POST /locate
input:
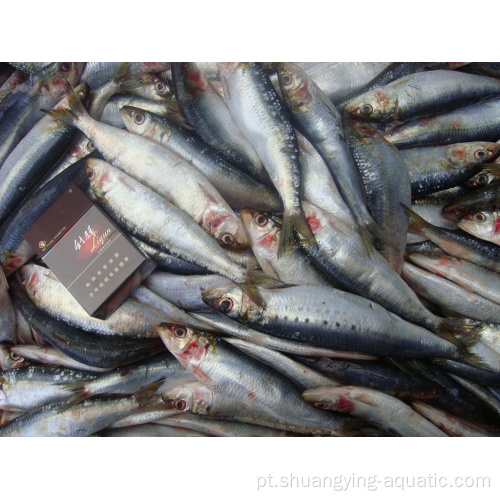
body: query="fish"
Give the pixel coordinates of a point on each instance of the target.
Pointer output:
(383, 410)
(327, 317)
(82, 419)
(427, 92)
(253, 382)
(485, 198)
(317, 119)
(131, 319)
(476, 122)
(164, 172)
(484, 225)
(208, 114)
(150, 217)
(457, 243)
(293, 266)
(386, 184)
(7, 313)
(238, 189)
(33, 156)
(259, 113)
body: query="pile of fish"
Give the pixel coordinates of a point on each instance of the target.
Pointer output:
(326, 238)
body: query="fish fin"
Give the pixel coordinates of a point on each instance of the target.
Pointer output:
(366, 238)
(255, 278)
(376, 232)
(462, 332)
(148, 396)
(121, 71)
(173, 112)
(295, 224)
(70, 114)
(4, 94)
(416, 224)
(404, 367)
(79, 392)
(122, 79)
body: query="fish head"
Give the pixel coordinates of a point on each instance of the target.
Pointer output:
(189, 346)
(161, 87)
(195, 82)
(487, 176)
(484, 225)
(263, 230)
(295, 86)
(232, 301)
(57, 76)
(10, 360)
(99, 175)
(226, 228)
(330, 398)
(193, 398)
(477, 152)
(136, 120)
(456, 211)
(29, 277)
(377, 104)
(321, 397)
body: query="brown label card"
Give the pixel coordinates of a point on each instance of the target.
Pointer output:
(56, 221)
(89, 255)
(93, 259)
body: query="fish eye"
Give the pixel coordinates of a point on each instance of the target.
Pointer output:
(367, 109)
(261, 220)
(90, 146)
(180, 332)
(286, 79)
(160, 87)
(180, 404)
(139, 118)
(481, 154)
(65, 67)
(227, 239)
(322, 406)
(15, 357)
(225, 305)
(479, 217)
(90, 174)
(482, 179)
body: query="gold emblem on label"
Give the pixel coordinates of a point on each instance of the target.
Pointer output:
(42, 244)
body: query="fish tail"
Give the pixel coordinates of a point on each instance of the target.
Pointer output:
(148, 396)
(464, 333)
(4, 94)
(416, 224)
(71, 113)
(367, 238)
(122, 79)
(78, 390)
(297, 224)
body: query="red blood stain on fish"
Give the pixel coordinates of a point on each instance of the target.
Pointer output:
(314, 223)
(460, 152)
(268, 240)
(251, 395)
(496, 226)
(13, 262)
(213, 219)
(344, 404)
